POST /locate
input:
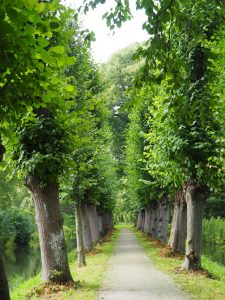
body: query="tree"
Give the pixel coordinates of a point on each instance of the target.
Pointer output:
(41, 155)
(118, 74)
(178, 59)
(38, 150)
(91, 138)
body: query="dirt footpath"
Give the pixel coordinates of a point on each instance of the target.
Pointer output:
(132, 276)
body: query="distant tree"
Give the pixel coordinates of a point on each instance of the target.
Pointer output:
(119, 73)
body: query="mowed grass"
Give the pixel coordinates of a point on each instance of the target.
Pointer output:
(89, 278)
(198, 284)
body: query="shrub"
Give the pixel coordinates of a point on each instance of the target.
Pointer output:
(16, 225)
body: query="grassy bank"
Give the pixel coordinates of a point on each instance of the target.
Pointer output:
(198, 284)
(89, 278)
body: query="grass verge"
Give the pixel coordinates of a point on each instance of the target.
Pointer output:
(89, 278)
(198, 284)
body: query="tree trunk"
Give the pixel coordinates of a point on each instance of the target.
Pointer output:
(79, 234)
(163, 219)
(178, 232)
(151, 219)
(49, 220)
(147, 220)
(93, 219)
(182, 219)
(139, 220)
(105, 225)
(88, 242)
(101, 225)
(4, 288)
(174, 233)
(195, 196)
(107, 222)
(154, 219)
(142, 219)
(110, 220)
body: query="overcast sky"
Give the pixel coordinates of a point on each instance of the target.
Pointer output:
(106, 43)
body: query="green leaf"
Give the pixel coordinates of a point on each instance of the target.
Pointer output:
(40, 7)
(30, 4)
(69, 88)
(70, 60)
(58, 49)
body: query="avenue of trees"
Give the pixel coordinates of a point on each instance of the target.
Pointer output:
(176, 136)
(140, 134)
(54, 129)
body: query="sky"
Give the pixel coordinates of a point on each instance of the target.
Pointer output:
(106, 42)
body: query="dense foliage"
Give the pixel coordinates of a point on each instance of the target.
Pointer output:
(134, 131)
(17, 227)
(13, 193)
(119, 73)
(26, 65)
(90, 180)
(182, 134)
(214, 230)
(185, 141)
(54, 124)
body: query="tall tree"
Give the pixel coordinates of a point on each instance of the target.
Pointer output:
(91, 139)
(37, 148)
(19, 62)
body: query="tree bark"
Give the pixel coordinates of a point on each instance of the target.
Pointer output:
(49, 220)
(4, 287)
(151, 218)
(139, 220)
(142, 219)
(93, 219)
(55, 266)
(86, 228)
(195, 196)
(147, 220)
(110, 220)
(163, 219)
(174, 233)
(79, 234)
(106, 222)
(101, 225)
(178, 232)
(154, 219)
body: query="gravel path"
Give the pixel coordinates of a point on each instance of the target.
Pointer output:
(132, 276)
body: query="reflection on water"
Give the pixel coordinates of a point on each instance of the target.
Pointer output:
(214, 252)
(25, 262)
